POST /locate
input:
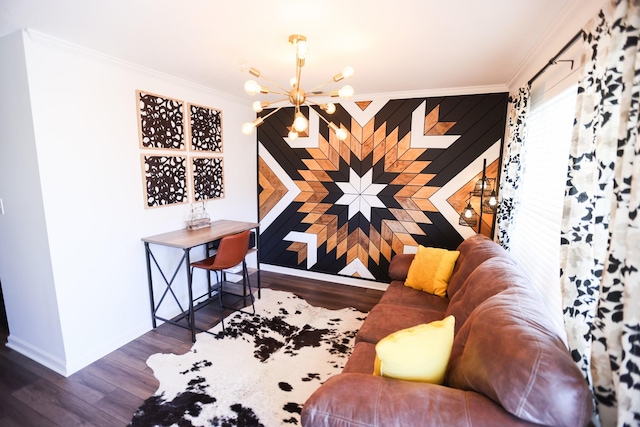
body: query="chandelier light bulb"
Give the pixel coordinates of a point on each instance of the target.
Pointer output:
(293, 82)
(293, 135)
(346, 92)
(251, 87)
(247, 128)
(301, 49)
(257, 106)
(330, 108)
(300, 123)
(341, 134)
(347, 71)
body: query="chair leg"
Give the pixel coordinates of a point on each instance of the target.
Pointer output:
(220, 303)
(245, 275)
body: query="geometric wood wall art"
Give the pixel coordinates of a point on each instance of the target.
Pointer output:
(205, 128)
(208, 178)
(160, 122)
(165, 180)
(347, 207)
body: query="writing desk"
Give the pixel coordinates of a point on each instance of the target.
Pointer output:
(186, 240)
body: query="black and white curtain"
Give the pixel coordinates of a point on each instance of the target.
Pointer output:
(600, 233)
(600, 237)
(512, 166)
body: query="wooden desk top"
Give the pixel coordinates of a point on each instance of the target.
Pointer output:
(185, 239)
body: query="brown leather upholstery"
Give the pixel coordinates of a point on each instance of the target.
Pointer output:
(231, 252)
(507, 368)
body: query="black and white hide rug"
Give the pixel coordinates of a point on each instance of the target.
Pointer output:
(259, 373)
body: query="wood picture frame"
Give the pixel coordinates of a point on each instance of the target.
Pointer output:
(205, 128)
(164, 179)
(207, 174)
(161, 122)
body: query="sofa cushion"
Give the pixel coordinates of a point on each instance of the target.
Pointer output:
(506, 351)
(473, 251)
(399, 294)
(431, 270)
(489, 278)
(420, 353)
(399, 266)
(384, 319)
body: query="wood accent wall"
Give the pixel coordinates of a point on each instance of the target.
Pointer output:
(347, 207)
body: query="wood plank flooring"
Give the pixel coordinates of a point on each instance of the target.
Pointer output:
(107, 392)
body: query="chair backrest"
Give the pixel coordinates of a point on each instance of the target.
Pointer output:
(231, 251)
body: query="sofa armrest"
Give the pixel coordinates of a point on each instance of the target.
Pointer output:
(353, 399)
(399, 266)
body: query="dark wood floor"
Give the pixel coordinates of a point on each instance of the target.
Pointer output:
(108, 392)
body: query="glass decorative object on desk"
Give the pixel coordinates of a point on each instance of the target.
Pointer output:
(199, 218)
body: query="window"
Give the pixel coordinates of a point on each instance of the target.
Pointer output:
(535, 242)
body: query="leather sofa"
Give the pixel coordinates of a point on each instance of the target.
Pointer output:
(508, 367)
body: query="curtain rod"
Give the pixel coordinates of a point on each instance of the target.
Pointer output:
(553, 60)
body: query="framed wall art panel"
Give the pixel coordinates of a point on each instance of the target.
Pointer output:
(208, 177)
(160, 122)
(165, 180)
(205, 128)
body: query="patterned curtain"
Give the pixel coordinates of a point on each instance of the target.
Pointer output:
(600, 242)
(512, 166)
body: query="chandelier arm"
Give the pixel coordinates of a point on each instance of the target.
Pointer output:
(321, 116)
(312, 95)
(274, 83)
(298, 73)
(280, 93)
(272, 112)
(321, 85)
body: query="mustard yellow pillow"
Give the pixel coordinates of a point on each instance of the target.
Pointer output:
(420, 353)
(431, 270)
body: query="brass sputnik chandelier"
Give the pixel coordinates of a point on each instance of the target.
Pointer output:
(296, 96)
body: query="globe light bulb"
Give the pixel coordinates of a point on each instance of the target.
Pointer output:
(330, 108)
(251, 87)
(341, 134)
(301, 49)
(467, 213)
(257, 106)
(293, 135)
(347, 71)
(293, 82)
(346, 92)
(300, 123)
(247, 128)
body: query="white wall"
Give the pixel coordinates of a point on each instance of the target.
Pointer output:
(572, 19)
(88, 160)
(25, 266)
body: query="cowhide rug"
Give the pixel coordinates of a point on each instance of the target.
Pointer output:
(257, 374)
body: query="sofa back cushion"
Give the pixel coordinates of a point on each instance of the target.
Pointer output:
(506, 351)
(473, 251)
(489, 278)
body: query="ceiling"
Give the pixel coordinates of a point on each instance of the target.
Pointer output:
(395, 46)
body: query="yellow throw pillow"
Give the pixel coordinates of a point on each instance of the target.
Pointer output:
(431, 270)
(420, 353)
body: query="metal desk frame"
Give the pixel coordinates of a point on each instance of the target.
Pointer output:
(186, 240)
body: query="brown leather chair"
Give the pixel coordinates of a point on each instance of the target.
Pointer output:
(231, 252)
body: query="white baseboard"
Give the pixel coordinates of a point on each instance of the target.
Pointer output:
(36, 354)
(343, 280)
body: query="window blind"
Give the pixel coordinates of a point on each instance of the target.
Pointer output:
(535, 242)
